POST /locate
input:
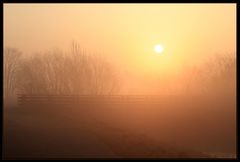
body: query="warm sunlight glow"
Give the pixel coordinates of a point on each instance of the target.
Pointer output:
(158, 48)
(124, 80)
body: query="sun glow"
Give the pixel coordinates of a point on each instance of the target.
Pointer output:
(158, 48)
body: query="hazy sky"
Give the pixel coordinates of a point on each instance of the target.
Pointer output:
(125, 33)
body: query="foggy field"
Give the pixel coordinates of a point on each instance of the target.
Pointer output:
(200, 129)
(193, 116)
(119, 81)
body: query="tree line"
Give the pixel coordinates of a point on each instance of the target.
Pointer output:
(55, 72)
(78, 72)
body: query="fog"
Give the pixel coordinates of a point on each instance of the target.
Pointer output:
(94, 87)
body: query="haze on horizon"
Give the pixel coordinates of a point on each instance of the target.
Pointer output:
(64, 64)
(126, 34)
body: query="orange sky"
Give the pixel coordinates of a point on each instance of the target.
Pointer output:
(126, 33)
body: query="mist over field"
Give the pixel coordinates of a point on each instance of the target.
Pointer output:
(119, 81)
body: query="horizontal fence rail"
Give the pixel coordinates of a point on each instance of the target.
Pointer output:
(70, 100)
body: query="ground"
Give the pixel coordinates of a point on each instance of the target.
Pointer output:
(33, 133)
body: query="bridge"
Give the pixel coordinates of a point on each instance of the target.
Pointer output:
(68, 100)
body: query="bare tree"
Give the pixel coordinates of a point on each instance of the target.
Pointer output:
(42, 74)
(103, 76)
(73, 73)
(217, 73)
(10, 69)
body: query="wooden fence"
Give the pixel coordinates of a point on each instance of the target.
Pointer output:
(69, 100)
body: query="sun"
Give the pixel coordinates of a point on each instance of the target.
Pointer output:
(158, 48)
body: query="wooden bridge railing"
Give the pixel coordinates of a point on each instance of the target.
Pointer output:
(30, 100)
